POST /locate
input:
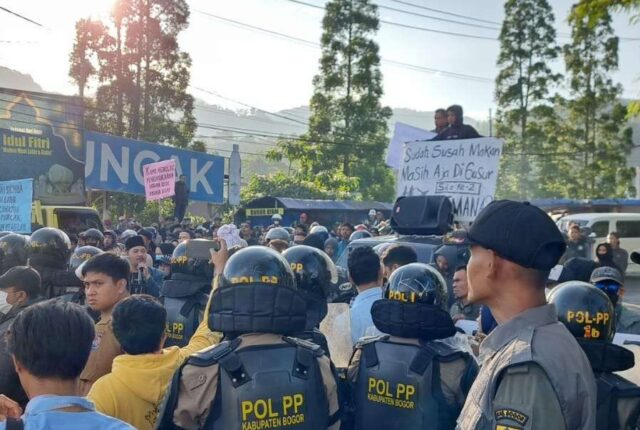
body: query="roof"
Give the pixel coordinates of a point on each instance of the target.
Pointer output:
(311, 204)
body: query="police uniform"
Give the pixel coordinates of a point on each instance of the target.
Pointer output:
(415, 377)
(589, 315)
(470, 311)
(259, 377)
(534, 375)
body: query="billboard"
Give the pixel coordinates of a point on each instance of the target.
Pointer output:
(41, 138)
(116, 164)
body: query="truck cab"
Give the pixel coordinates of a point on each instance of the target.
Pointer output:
(70, 219)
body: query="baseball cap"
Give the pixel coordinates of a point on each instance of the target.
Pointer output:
(607, 273)
(635, 256)
(518, 232)
(23, 277)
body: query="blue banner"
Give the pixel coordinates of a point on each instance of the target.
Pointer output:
(41, 138)
(15, 205)
(115, 163)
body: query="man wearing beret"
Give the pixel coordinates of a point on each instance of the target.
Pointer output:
(534, 374)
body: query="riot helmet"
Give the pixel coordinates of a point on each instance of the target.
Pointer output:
(93, 237)
(49, 246)
(127, 234)
(359, 234)
(182, 262)
(82, 254)
(257, 293)
(417, 283)
(585, 310)
(321, 231)
(315, 274)
(13, 251)
(4, 233)
(278, 233)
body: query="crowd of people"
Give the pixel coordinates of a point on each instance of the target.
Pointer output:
(173, 326)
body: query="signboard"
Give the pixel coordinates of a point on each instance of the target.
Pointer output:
(263, 211)
(41, 138)
(15, 205)
(159, 180)
(115, 164)
(464, 170)
(404, 133)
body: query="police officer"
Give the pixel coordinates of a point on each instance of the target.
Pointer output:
(13, 251)
(611, 282)
(185, 295)
(93, 237)
(48, 250)
(258, 377)
(413, 377)
(589, 315)
(534, 375)
(315, 273)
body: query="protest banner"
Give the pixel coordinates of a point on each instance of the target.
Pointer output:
(464, 170)
(15, 205)
(159, 180)
(404, 133)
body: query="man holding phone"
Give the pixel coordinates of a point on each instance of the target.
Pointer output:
(140, 279)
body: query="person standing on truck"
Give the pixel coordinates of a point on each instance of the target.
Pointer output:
(181, 198)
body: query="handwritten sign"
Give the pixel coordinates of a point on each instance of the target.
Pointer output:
(159, 179)
(464, 170)
(404, 133)
(15, 205)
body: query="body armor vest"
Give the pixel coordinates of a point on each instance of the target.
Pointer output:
(185, 301)
(262, 386)
(618, 403)
(58, 282)
(398, 386)
(317, 337)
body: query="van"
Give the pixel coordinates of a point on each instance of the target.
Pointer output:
(70, 219)
(601, 224)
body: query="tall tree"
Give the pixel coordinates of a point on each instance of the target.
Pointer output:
(602, 139)
(347, 136)
(527, 48)
(141, 72)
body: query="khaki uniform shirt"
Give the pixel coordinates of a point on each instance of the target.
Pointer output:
(198, 386)
(104, 350)
(534, 376)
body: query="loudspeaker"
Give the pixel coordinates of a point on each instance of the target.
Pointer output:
(422, 215)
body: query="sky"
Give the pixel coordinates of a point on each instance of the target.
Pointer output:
(274, 73)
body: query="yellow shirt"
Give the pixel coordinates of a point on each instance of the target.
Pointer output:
(137, 384)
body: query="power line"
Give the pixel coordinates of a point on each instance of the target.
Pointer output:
(21, 16)
(408, 26)
(452, 21)
(446, 13)
(414, 67)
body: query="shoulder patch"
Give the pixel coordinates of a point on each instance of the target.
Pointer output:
(501, 427)
(371, 339)
(511, 414)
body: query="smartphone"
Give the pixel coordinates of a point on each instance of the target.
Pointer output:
(200, 248)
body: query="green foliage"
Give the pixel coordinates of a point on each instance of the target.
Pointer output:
(347, 136)
(527, 47)
(284, 185)
(602, 141)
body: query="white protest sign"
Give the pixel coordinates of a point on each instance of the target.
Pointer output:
(465, 170)
(159, 179)
(404, 133)
(15, 205)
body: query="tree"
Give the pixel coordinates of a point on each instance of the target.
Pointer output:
(90, 38)
(347, 136)
(527, 48)
(601, 139)
(283, 185)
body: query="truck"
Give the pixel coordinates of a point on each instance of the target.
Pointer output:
(70, 219)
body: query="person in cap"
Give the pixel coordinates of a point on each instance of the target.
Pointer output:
(611, 281)
(415, 376)
(588, 314)
(258, 377)
(534, 375)
(21, 286)
(141, 280)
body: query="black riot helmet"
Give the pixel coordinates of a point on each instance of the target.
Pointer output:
(182, 262)
(82, 254)
(257, 293)
(93, 237)
(49, 246)
(315, 274)
(417, 283)
(585, 310)
(13, 251)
